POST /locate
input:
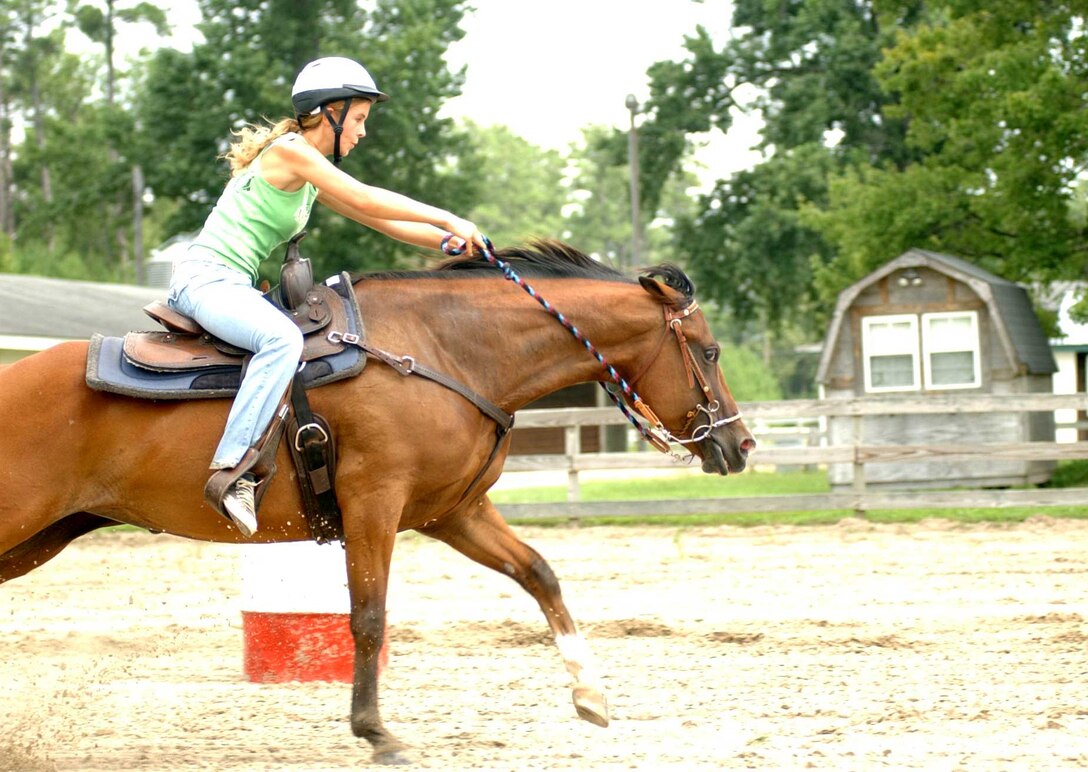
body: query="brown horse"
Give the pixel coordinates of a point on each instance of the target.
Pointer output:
(73, 460)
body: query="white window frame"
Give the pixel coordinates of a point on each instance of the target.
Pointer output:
(867, 323)
(930, 347)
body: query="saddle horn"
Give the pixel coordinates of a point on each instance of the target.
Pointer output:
(296, 275)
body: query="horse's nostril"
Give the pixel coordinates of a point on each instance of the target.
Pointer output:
(747, 445)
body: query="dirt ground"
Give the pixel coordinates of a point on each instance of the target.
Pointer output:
(857, 646)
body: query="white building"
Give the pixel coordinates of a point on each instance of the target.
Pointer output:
(1071, 354)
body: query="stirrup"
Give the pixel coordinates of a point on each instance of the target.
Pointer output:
(221, 481)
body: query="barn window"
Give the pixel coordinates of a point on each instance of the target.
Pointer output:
(890, 344)
(951, 350)
(906, 352)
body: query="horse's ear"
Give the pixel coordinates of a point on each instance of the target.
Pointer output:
(663, 293)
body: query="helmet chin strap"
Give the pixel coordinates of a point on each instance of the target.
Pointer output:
(337, 128)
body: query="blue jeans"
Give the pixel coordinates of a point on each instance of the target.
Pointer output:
(225, 303)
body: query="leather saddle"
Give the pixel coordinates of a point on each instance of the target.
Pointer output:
(185, 345)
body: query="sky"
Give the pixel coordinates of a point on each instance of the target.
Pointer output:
(549, 68)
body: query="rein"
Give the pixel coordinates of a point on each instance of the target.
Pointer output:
(657, 434)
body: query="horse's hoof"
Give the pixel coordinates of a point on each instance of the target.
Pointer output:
(590, 704)
(392, 758)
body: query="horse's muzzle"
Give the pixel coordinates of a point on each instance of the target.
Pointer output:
(726, 455)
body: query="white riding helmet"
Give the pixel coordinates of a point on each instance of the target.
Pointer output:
(329, 79)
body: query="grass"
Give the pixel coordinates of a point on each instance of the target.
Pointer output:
(682, 487)
(754, 484)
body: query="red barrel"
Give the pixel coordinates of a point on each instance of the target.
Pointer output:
(295, 614)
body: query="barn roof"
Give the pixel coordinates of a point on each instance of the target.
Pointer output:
(1011, 311)
(41, 307)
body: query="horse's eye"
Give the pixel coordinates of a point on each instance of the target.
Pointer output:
(711, 354)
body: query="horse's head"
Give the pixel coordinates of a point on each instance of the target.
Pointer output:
(682, 383)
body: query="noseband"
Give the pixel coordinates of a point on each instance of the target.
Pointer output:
(656, 433)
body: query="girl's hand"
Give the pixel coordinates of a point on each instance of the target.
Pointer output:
(467, 232)
(452, 245)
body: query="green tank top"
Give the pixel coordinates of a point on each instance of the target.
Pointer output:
(252, 218)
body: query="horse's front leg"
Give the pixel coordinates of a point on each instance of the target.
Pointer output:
(368, 557)
(478, 531)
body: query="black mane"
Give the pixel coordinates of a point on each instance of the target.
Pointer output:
(540, 259)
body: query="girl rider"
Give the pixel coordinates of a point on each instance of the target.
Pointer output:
(278, 171)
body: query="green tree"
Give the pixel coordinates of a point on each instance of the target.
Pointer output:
(243, 71)
(599, 214)
(810, 65)
(748, 246)
(599, 207)
(748, 377)
(9, 23)
(66, 188)
(523, 196)
(994, 94)
(59, 174)
(32, 52)
(72, 235)
(100, 22)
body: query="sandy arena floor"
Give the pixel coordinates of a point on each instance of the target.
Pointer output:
(851, 647)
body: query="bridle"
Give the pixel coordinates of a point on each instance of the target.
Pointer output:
(660, 436)
(654, 430)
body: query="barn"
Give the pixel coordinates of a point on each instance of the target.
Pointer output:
(927, 324)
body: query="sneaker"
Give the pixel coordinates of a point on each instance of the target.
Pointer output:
(238, 502)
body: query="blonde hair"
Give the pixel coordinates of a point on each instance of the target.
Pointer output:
(252, 138)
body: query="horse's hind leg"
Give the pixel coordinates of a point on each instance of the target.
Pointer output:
(479, 532)
(48, 543)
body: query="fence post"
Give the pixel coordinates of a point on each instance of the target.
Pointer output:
(572, 442)
(812, 440)
(858, 486)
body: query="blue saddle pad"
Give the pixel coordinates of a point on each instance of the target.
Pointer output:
(108, 369)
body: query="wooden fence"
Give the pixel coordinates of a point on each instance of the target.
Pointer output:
(800, 420)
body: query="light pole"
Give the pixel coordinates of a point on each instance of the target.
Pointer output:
(632, 159)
